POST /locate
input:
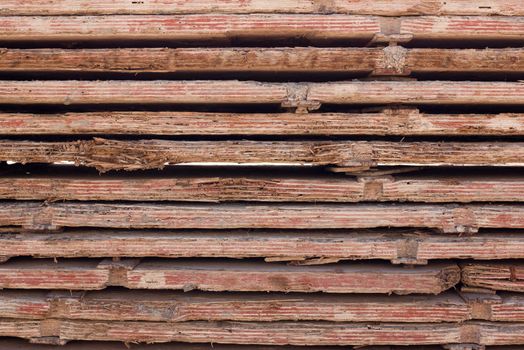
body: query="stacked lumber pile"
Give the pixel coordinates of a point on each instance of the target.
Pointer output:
(261, 174)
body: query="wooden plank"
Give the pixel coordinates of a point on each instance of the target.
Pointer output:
(73, 92)
(388, 61)
(223, 27)
(448, 218)
(508, 276)
(30, 274)
(397, 122)
(229, 276)
(183, 307)
(275, 333)
(220, 188)
(313, 247)
(107, 154)
(380, 7)
(511, 309)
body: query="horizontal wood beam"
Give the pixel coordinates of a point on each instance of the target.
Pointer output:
(301, 248)
(227, 276)
(277, 333)
(394, 122)
(106, 154)
(266, 189)
(152, 306)
(507, 276)
(448, 218)
(381, 7)
(223, 27)
(73, 92)
(392, 60)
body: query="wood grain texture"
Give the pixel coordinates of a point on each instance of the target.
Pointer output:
(274, 333)
(71, 92)
(107, 154)
(182, 307)
(448, 218)
(506, 276)
(388, 61)
(380, 7)
(228, 276)
(433, 189)
(394, 122)
(299, 247)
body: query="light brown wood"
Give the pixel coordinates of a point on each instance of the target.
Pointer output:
(388, 61)
(222, 188)
(448, 218)
(245, 92)
(213, 275)
(379, 7)
(398, 122)
(106, 154)
(311, 248)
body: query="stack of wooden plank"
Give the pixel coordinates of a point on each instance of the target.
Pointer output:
(261, 175)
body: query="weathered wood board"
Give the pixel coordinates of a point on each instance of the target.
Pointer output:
(215, 275)
(310, 95)
(110, 154)
(391, 60)
(450, 218)
(389, 122)
(379, 7)
(162, 306)
(220, 188)
(317, 247)
(507, 276)
(223, 27)
(273, 333)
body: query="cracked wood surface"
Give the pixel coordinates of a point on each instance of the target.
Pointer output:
(223, 188)
(392, 60)
(398, 122)
(300, 248)
(447, 218)
(106, 154)
(380, 7)
(72, 92)
(224, 275)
